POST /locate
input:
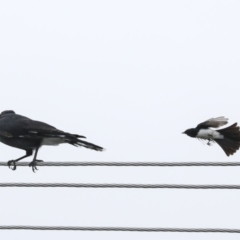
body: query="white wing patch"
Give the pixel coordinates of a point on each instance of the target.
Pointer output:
(32, 131)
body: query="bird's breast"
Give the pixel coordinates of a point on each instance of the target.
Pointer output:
(209, 134)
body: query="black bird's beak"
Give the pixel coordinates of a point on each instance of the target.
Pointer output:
(183, 133)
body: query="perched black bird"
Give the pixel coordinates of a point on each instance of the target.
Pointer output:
(227, 138)
(21, 132)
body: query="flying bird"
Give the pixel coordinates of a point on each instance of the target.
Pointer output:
(29, 135)
(227, 138)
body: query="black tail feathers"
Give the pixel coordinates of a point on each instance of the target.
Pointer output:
(85, 144)
(231, 141)
(231, 132)
(80, 143)
(229, 146)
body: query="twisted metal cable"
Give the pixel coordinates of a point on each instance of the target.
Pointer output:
(122, 229)
(142, 186)
(130, 164)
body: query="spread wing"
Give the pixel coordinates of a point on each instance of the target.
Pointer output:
(213, 122)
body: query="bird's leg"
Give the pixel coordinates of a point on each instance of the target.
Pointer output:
(209, 142)
(34, 162)
(13, 162)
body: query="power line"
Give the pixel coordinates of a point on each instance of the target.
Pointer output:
(122, 229)
(142, 186)
(130, 164)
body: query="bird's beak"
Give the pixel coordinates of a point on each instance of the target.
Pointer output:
(183, 133)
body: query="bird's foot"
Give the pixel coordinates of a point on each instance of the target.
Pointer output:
(12, 164)
(33, 164)
(209, 142)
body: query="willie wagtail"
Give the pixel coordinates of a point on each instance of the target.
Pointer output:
(227, 138)
(21, 132)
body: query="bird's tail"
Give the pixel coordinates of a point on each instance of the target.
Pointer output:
(80, 143)
(231, 141)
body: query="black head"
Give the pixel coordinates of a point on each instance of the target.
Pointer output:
(7, 112)
(191, 132)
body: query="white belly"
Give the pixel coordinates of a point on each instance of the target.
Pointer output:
(52, 141)
(209, 134)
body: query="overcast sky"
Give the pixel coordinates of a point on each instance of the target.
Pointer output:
(131, 76)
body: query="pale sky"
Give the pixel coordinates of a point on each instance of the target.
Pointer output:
(131, 76)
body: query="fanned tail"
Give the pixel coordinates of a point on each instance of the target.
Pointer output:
(232, 132)
(229, 146)
(231, 141)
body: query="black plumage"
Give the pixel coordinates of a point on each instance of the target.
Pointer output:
(22, 132)
(227, 138)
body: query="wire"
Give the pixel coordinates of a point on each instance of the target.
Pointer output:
(144, 186)
(122, 229)
(130, 164)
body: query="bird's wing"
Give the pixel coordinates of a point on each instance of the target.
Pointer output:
(5, 134)
(213, 122)
(38, 128)
(22, 127)
(44, 130)
(27, 128)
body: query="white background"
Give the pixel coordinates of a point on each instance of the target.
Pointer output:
(131, 76)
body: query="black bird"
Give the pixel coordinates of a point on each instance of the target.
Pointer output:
(227, 138)
(21, 132)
